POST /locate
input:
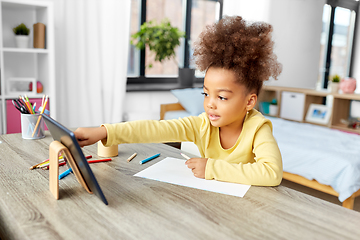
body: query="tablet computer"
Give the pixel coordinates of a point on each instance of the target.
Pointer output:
(67, 138)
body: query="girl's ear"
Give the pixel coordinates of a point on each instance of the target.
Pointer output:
(251, 101)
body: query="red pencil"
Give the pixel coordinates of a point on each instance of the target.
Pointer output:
(100, 160)
(91, 161)
(63, 163)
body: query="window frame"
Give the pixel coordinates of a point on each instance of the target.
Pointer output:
(353, 6)
(142, 78)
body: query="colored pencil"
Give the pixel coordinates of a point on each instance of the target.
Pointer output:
(131, 157)
(99, 160)
(64, 174)
(186, 157)
(46, 164)
(32, 167)
(31, 108)
(67, 172)
(42, 100)
(42, 111)
(26, 104)
(62, 163)
(47, 160)
(149, 158)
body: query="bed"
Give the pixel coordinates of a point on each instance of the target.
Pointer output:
(318, 157)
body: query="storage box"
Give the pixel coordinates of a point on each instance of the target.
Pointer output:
(292, 106)
(264, 107)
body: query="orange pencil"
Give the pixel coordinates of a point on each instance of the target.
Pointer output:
(31, 108)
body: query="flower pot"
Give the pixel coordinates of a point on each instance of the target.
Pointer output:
(22, 41)
(186, 77)
(273, 110)
(334, 87)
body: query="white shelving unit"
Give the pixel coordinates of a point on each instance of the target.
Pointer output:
(26, 62)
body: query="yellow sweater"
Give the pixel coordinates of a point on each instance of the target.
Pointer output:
(255, 158)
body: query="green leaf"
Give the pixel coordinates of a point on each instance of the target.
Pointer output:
(21, 29)
(161, 38)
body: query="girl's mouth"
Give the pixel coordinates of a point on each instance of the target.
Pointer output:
(213, 117)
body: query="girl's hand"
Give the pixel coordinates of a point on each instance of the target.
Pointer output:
(197, 166)
(88, 136)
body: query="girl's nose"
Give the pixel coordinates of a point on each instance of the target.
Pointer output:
(211, 104)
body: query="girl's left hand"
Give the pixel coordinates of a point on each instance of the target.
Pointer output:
(197, 166)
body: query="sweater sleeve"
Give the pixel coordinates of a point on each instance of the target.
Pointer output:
(153, 131)
(264, 170)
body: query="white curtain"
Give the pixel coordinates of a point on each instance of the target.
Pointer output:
(92, 39)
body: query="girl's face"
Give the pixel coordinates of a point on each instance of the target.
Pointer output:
(226, 102)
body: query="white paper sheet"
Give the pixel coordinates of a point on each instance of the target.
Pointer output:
(173, 170)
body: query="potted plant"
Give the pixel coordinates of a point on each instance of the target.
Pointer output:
(334, 84)
(21, 35)
(162, 39)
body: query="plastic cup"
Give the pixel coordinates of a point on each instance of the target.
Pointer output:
(28, 123)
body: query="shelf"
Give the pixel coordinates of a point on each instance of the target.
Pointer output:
(29, 95)
(37, 64)
(347, 96)
(345, 128)
(25, 50)
(340, 105)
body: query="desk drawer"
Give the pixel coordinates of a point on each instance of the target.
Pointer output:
(292, 106)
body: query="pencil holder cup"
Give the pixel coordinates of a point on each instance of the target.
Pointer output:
(103, 151)
(32, 126)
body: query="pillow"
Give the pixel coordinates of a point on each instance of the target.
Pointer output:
(191, 99)
(176, 114)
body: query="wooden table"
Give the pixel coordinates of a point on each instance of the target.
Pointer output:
(146, 209)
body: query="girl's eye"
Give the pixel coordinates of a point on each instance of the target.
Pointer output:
(205, 94)
(222, 98)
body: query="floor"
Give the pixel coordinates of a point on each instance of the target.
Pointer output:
(318, 194)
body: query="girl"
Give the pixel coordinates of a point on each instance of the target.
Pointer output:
(234, 140)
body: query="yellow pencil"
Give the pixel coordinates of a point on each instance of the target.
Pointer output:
(32, 167)
(43, 162)
(38, 121)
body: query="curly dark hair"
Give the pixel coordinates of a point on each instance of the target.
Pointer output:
(245, 48)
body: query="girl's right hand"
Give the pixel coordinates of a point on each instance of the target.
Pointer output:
(88, 136)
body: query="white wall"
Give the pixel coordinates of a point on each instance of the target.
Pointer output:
(254, 10)
(297, 29)
(146, 105)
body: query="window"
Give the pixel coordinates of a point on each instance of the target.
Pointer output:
(190, 16)
(133, 57)
(337, 39)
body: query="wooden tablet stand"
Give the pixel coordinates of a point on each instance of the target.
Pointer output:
(54, 150)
